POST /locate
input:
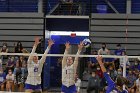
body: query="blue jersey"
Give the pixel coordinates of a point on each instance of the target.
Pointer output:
(118, 52)
(93, 60)
(111, 85)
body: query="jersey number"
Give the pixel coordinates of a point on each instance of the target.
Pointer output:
(35, 69)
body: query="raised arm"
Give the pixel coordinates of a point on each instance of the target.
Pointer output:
(110, 82)
(67, 45)
(50, 43)
(99, 59)
(33, 50)
(80, 46)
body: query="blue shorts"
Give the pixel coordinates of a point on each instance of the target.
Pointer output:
(33, 87)
(70, 89)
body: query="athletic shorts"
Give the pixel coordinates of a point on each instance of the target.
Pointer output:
(33, 87)
(70, 89)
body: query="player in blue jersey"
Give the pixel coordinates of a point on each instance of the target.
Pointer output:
(113, 87)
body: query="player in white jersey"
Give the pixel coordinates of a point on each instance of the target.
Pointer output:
(34, 66)
(69, 70)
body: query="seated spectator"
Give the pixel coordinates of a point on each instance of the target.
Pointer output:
(77, 83)
(132, 78)
(23, 66)
(99, 72)
(10, 64)
(119, 72)
(119, 51)
(4, 49)
(17, 73)
(103, 50)
(18, 76)
(19, 48)
(93, 83)
(20, 72)
(138, 85)
(92, 62)
(122, 60)
(112, 72)
(10, 81)
(134, 64)
(2, 79)
(86, 74)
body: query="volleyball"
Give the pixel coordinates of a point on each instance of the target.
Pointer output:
(86, 43)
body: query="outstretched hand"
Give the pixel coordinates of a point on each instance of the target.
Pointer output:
(50, 42)
(67, 45)
(99, 59)
(37, 40)
(80, 46)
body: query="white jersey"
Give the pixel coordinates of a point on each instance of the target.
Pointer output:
(34, 70)
(103, 52)
(68, 75)
(34, 73)
(10, 77)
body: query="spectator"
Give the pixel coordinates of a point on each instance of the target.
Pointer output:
(17, 73)
(119, 72)
(10, 64)
(102, 80)
(2, 79)
(19, 48)
(138, 85)
(23, 66)
(103, 50)
(86, 74)
(20, 72)
(93, 83)
(4, 49)
(118, 52)
(92, 62)
(77, 83)
(112, 72)
(134, 65)
(131, 86)
(99, 72)
(10, 81)
(122, 60)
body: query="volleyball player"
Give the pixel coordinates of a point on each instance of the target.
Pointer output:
(113, 87)
(69, 68)
(34, 66)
